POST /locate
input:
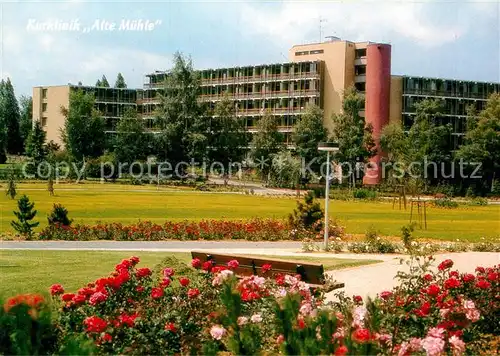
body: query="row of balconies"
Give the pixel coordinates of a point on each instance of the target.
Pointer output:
(443, 93)
(246, 96)
(262, 95)
(247, 79)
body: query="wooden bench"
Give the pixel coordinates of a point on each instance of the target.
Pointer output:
(310, 273)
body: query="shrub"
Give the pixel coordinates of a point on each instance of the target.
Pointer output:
(364, 193)
(407, 236)
(446, 203)
(478, 201)
(23, 225)
(308, 214)
(59, 216)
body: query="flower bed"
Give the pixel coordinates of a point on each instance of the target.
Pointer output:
(177, 309)
(254, 230)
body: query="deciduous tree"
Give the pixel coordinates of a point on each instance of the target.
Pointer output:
(26, 121)
(180, 117)
(308, 132)
(352, 133)
(131, 140)
(84, 128)
(266, 143)
(228, 139)
(482, 141)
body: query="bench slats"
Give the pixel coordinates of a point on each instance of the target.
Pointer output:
(312, 273)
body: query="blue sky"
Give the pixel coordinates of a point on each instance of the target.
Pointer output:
(451, 39)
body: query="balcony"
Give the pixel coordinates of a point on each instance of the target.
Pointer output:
(360, 61)
(259, 78)
(360, 78)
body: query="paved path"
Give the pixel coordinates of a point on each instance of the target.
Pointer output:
(364, 280)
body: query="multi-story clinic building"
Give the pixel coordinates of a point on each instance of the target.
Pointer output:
(316, 73)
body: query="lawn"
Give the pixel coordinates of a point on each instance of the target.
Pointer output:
(90, 203)
(24, 271)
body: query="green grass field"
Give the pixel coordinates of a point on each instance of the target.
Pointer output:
(90, 203)
(34, 271)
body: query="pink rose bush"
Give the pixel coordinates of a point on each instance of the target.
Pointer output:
(203, 309)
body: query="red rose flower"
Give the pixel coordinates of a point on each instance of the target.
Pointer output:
(446, 264)
(168, 272)
(165, 282)
(125, 264)
(156, 293)
(193, 293)
(468, 278)
(482, 284)
(207, 266)
(266, 268)
(184, 281)
(301, 324)
(94, 324)
(79, 299)
(361, 335)
(134, 260)
(433, 290)
(67, 297)
(128, 320)
(196, 263)
(357, 299)
(142, 272)
(480, 269)
(170, 327)
(233, 264)
(97, 298)
(341, 351)
(385, 295)
(492, 276)
(280, 279)
(427, 277)
(56, 289)
(424, 309)
(454, 274)
(106, 338)
(451, 283)
(139, 289)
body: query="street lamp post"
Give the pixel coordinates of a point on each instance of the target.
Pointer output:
(328, 147)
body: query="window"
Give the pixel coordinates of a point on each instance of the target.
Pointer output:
(44, 93)
(44, 107)
(361, 53)
(301, 53)
(360, 86)
(44, 121)
(360, 70)
(316, 51)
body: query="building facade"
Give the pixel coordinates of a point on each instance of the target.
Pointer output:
(110, 102)
(316, 73)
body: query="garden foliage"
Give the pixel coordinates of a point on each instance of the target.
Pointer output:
(178, 310)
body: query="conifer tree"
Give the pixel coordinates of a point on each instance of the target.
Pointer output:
(25, 215)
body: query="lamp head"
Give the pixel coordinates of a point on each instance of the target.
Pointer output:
(328, 146)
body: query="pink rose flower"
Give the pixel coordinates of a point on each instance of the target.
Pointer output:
(217, 332)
